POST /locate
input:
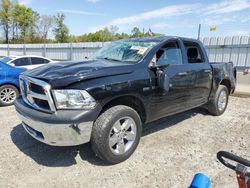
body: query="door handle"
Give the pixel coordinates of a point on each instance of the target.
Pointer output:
(207, 71)
(182, 74)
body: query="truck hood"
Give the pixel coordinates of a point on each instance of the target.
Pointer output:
(65, 73)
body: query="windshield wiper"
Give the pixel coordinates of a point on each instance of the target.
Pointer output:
(110, 59)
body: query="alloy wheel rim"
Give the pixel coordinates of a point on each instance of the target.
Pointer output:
(7, 95)
(222, 101)
(122, 135)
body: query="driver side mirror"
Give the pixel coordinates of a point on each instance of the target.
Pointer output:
(158, 67)
(161, 77)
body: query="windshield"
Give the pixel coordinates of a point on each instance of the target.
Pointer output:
(5, 59)
(124, 51)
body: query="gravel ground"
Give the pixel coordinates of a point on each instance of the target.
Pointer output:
(171, 151)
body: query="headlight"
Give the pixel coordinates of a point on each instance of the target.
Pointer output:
(73, 99)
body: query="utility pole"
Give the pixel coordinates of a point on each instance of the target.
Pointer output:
(199, 32)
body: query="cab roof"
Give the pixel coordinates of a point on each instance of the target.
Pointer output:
(156, 39)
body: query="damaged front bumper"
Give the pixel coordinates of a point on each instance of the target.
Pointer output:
(63, 128)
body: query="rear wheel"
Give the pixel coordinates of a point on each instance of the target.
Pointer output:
(8, 95)
(217, 106)
(116, 134)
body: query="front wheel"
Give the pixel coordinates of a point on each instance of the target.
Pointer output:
(217, 106)
(116, 134)
(8, 95)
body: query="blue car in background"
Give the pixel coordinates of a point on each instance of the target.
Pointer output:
(10, 69)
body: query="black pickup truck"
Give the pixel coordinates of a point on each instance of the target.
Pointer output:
(106, 100)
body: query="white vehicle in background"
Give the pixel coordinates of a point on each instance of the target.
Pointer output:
(10, 69)
(27, 61)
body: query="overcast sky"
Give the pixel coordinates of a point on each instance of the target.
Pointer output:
(179, 17)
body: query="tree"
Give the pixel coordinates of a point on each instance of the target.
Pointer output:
(113, 29)
(61, 30)
(5, 17)
(44, 26)
(122, 36)
(136, 32)
(15, 18)
(26, 22)
(32, 28)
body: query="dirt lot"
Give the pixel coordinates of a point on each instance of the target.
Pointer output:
(171, 151)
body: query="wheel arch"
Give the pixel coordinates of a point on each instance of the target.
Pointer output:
(12, 84)
(130, 101)
(227, 83)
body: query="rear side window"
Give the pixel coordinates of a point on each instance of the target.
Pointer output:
(22, 62)
(38, 61)
(169, 54)
(194, 53)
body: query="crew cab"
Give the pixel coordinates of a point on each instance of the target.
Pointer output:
(10, 69)
(107, 99)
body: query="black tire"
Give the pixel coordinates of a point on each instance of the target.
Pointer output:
(101, 133)
(213, 106)
(3, 101)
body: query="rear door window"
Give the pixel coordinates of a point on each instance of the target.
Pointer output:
(194, 53)
(39, 61)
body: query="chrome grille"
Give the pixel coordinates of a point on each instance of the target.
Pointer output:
(36, 93)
